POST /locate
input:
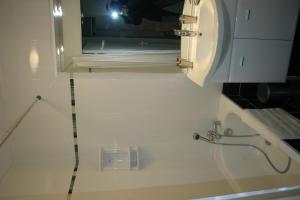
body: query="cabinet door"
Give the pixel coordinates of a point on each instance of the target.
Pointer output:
(267, 19)
(259, 61)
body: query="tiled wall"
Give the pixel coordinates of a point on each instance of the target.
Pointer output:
(112, 108)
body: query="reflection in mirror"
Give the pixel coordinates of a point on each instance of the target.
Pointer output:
(127, 33)
(111, 26)
(116, 34)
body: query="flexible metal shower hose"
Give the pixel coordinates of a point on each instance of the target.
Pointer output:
(286, 169)
(239, 136)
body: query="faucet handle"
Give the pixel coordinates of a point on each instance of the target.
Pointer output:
(187, 19)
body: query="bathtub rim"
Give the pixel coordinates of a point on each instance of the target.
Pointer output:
(278, 193)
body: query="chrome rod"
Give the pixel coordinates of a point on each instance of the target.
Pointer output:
(9, 131)
(186, 19)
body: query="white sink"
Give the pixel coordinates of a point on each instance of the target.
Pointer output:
(204, 50)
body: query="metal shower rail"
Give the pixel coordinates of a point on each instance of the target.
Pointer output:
(9, 131)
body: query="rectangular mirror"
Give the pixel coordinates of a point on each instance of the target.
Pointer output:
(118, 26)
(116, 34)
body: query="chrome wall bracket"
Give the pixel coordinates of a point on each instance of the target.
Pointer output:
(184, 64)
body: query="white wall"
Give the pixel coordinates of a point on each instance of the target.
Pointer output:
(148, 110)
(1, 102)
(71, 30)
(5, 151)
(45, 137)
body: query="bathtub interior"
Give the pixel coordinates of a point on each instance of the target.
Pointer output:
(253, 162)
(169, 168)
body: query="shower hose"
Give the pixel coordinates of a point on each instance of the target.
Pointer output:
(286, 169)
(239, 136)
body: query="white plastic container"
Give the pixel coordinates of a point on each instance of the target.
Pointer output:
(119, 158)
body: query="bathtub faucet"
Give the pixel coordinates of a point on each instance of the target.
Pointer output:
(214, 134)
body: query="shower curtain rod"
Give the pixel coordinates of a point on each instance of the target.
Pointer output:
(9, 131)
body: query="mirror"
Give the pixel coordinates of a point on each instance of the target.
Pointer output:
(116, 34)
(111, 26)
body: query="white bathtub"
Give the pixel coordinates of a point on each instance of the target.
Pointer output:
(173, 166)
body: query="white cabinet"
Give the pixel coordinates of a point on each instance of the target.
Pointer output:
(259, 60)
(261, 19)
(260, 43)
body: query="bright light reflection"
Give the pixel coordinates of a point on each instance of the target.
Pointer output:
(34, 60)
(62, 48)
(57, 11)
(114, 15)
(60, 11)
